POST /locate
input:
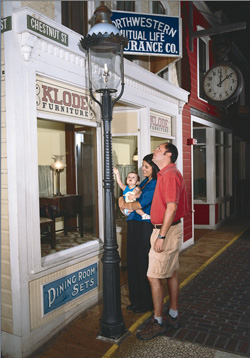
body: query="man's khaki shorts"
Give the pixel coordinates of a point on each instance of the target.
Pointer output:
(163, 264)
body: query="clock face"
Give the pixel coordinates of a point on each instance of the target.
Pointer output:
(220, 83)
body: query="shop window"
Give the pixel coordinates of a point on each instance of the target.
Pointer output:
(73, 205)
(217, 170)
(157, 7)
(215, 144)
(125, 158)
(203, 63)
(227, 157)
(156, 141)
(200, 180)
(75, 16)
(223, 150)
(199, 165)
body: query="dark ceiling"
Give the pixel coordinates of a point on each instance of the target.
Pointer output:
(237, 11)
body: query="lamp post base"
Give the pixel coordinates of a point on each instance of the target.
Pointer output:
(112, 332)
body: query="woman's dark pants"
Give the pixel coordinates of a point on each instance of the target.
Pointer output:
(138, 246)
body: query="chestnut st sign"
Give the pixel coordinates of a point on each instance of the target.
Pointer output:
(6, 24)
(46, 30)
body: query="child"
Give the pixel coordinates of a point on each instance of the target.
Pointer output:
(131, 189)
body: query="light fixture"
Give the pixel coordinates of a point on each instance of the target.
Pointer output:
(104, 46)
(58, 166)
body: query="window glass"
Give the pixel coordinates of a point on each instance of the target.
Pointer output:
(156, 141)
(200, 179)
(226, 153)
(68, 196)
(217, 170)
(126, 5)
(75, 16)
(125, 159)
(157, 7)
(200, 135)
(202, 65)
(218, 138)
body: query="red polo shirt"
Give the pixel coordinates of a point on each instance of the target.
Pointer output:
(170, 188)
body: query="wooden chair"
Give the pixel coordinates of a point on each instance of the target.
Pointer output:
(47, 222)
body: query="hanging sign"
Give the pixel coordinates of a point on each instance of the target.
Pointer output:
(160, 123)
(55, 97)
(6, 24)
(68, 288)
(154, 35)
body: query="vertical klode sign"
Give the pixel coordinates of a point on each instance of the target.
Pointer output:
(153, 35)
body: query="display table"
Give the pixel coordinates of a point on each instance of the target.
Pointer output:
(66, 206)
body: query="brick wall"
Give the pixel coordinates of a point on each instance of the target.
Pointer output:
(44, 7)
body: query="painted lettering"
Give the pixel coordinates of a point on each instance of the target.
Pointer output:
(75, 100)
(66, 98)
(56, 100)
(65, 289)
(3, 24)
(51, 296)
(170, 48)
(46, 93)
(140, 21)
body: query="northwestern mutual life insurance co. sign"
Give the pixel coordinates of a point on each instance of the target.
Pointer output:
(158, 35)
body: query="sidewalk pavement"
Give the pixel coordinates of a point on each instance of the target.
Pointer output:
(214, 306)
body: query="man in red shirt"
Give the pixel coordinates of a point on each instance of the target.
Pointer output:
(168, 207)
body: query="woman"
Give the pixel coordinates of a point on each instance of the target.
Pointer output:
(138, 240)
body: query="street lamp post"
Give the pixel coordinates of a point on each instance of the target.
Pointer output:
(105, 46)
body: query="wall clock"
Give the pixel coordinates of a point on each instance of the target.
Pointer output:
(222, 84)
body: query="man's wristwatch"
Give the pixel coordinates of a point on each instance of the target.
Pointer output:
(161, 237)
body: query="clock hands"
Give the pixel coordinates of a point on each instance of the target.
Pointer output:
(219, 84)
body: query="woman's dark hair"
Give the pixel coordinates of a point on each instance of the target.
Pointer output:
(148, 158)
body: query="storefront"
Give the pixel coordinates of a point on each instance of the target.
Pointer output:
(212, 173)
(47, 111)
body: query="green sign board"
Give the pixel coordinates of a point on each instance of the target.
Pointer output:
(46, 30)
(6, 24)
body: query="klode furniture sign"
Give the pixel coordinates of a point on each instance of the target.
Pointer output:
(154, 35)
(55, 97)
(160, 124)
(68, 288)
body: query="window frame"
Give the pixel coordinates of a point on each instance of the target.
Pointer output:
(67, 13)
(211, 163)
(206, 40)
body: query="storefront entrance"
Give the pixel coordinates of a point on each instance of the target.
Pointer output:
(212, 174)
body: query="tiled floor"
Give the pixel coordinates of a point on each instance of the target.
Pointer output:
(215, 305)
